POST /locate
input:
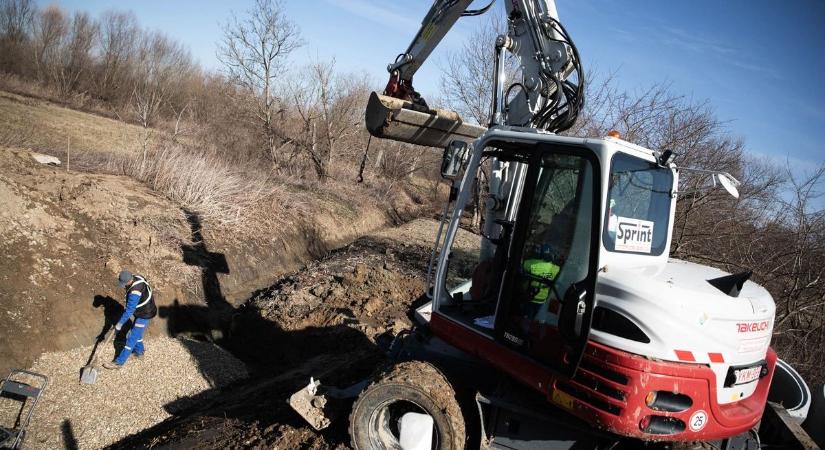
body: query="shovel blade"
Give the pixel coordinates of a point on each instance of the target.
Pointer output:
(88, 375)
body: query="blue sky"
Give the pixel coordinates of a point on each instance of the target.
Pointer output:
(760, 63)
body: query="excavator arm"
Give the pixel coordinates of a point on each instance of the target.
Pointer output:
(443, 14)
(548, 94)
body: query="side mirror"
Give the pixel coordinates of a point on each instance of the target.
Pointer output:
(453, 160)
(728, 183)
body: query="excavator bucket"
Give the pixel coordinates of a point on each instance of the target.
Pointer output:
(401, 120)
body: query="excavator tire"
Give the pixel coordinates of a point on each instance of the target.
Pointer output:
(693, 446)
(411, 386)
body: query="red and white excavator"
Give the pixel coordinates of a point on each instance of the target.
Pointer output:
(568, 326)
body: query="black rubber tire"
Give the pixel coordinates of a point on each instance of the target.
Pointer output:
(415, 382)
(698, 445)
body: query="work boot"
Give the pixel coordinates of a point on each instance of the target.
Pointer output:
(111, 365)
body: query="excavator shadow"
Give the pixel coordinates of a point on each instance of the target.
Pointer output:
(281, 363)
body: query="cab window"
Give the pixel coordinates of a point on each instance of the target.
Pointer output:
(638, 206)
(557, 245)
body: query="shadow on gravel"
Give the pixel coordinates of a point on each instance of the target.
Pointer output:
(68, 435)
(112, 310)
(208, 323)
(251, 412)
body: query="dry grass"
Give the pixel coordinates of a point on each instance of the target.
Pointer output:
(44, 126)
(250, 200)
(219, 193)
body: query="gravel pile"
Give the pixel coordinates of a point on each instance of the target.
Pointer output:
(144, 392)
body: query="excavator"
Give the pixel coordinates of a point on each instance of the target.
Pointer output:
(568, 326)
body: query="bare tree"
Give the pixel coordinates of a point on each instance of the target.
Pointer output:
(329, 108)
(118, 45)
(75, 54)
(15, 20)
(254, 52)
(161, 64)
(50, 28)
(183, 116)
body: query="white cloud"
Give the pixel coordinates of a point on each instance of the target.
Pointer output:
(695, 42)
(376, 14)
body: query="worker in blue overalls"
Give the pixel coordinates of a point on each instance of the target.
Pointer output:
(139, 302)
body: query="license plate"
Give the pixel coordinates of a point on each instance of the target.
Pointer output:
(747, 374)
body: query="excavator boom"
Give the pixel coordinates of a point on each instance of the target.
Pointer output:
(548, 95)
(443, 14)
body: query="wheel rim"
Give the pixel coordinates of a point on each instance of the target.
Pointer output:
(384, 424)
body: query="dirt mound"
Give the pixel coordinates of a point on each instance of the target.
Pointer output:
(143, 393)
(330, 320)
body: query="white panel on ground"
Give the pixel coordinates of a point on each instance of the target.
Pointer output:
(416, 431)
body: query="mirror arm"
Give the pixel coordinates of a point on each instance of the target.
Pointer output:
(711, 172)
(715, 174)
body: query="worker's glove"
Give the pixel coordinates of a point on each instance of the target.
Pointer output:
(118, 326)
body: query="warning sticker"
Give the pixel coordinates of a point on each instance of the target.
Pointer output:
(563, 400)
(633, 235)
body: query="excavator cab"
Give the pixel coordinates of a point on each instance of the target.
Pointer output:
(533, 293)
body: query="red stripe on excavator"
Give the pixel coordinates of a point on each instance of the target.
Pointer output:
(631, 376)
(716, 357)
(685, 355)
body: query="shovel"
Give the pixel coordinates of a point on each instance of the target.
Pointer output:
(88, 374)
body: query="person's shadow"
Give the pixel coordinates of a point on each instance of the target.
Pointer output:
(219, 311)
(112, 310)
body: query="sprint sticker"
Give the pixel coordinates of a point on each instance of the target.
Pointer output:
(633, 235)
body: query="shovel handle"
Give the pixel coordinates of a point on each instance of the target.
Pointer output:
(101, 340)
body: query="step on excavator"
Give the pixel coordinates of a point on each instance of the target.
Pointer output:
(568, 326)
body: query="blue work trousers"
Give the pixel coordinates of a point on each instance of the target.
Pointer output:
(134, 342)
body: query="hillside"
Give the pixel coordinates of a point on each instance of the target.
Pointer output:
(44, 126)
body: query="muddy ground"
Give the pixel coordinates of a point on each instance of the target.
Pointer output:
(329, 320)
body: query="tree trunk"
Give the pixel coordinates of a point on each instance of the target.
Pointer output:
(364, 158)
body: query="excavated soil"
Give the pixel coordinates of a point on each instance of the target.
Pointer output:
(330, 320)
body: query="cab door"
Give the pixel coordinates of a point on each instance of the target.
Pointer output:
(547, 297)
